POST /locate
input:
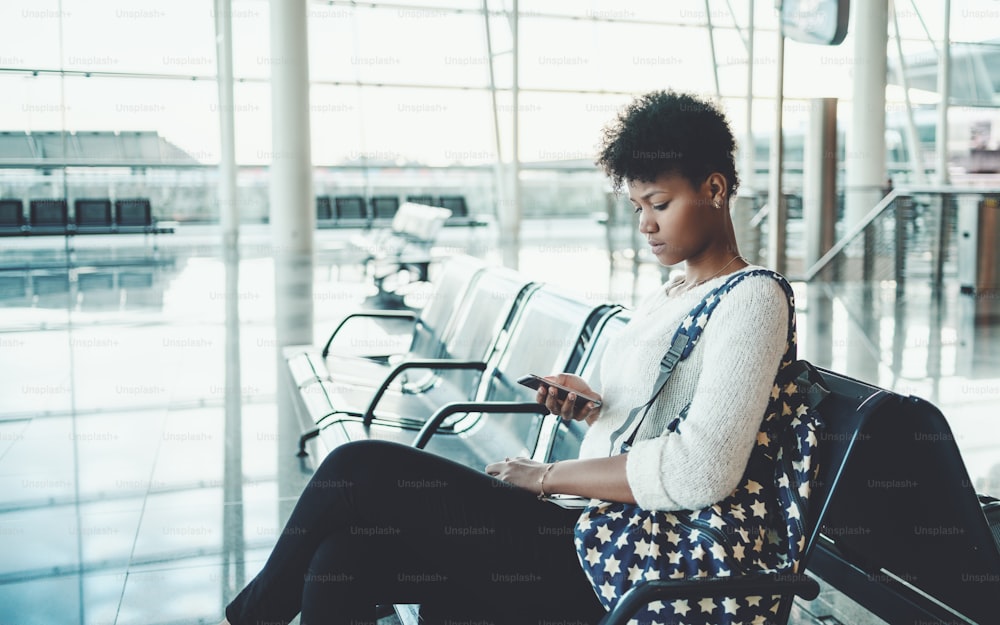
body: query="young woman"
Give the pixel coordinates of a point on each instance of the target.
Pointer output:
(382, 523)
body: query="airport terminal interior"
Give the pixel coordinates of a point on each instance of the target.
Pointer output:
(160, 251)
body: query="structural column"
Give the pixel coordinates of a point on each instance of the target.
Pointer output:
(865, 146)
(819, 183)
(742, 206)
(233, 547)
(865, 164)
(944, 91)
(510, 234)
(293, 219)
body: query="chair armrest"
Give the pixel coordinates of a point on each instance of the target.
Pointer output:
(376, 314)
(432, 425)
(762, 584)
(429, 363)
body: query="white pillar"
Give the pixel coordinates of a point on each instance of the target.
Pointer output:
(293, 219)
(944, 90)
(233, 571)
(510, 235)
(819, 182)
(865, 145)
(777, 213)
(229, 216)
(742, 206)
(292, 210)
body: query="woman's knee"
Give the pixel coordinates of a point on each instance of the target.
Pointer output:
(351, 463)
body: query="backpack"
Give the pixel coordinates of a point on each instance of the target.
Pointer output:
(757, 528)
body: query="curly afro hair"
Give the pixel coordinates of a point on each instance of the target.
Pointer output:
(667, 132)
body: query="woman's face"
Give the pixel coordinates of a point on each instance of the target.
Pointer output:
(678, 221)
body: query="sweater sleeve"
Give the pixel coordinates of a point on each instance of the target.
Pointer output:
(743, 343)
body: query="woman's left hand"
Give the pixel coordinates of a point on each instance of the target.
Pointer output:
(522, 472)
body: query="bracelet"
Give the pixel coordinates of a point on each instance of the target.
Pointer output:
(541, 481)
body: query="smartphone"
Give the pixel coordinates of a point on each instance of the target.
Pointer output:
(533, 381)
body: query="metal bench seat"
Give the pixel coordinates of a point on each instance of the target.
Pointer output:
(413, 388)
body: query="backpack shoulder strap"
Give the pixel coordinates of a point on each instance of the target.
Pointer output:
(686, 336)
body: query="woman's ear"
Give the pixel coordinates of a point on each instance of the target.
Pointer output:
(718, 189)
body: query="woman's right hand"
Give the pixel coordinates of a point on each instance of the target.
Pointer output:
(567, 408)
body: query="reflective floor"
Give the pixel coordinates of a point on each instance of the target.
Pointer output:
(144, 471)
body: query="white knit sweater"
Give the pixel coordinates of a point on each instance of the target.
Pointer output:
(727, 379)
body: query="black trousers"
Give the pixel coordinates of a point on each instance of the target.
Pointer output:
(382, 523)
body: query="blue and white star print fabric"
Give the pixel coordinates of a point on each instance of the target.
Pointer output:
(757, 528)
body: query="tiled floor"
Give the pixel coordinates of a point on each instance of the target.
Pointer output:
(120, 501)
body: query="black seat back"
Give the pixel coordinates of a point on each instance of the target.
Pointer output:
(92, 212)
(426, 200)
(324, 209)
(11, 213)
(133, 212)
(48, 214)
(438, 318)
(384, 206)
(549, 333)
(350, 208)
(454, 203)
(567, 436)
(906, 509)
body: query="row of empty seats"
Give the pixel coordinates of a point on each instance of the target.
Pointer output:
(894, 521)
(90, 216)
(356, 211)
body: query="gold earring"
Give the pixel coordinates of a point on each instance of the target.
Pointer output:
(717, 205)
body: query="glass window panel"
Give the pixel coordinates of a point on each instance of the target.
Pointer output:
(251, 39)
(29, 33)
(335, 115)
(160, 38)
(435, 127)
(617, 56)
(400, 46)
(676, 11)
(565, 127)
(184, 114)
(30, 102)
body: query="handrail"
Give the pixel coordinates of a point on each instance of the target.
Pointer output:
(880, 208)
(759, 217)
(848, 238)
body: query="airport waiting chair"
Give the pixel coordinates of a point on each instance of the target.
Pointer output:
(404, 392)
(906, 535)
(560, 439)
(549, 332)
(48, 217)
(847, 410)
(324, 210)
(92, 215)
(431, 329)
(133, 214)
(512, 420)
(351, 212)
(426, 200)
(456, 204)
(384, 207)
(12, 216)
